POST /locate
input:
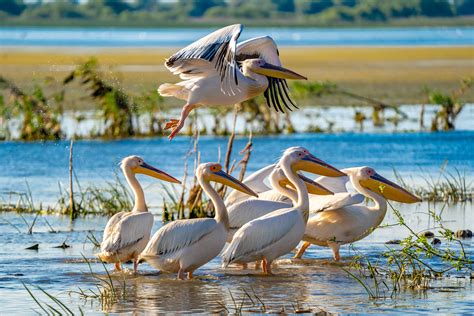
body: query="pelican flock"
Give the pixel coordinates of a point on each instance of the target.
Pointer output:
(260, 222)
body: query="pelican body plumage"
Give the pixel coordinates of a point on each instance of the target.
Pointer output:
(343, 220)
(127, 233)
(183, 246)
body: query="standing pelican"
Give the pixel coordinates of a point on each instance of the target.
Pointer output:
(127, 233)
(342, 222)
(245, 211)
(275, 234)
(185, 245)
(217, 71)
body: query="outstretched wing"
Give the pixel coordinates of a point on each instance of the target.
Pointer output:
(264, 47)
(178, 235)
(258, 234)
(128, 231)
(320, 203)
(217, 48)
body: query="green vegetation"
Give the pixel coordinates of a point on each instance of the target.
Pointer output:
(406, 267)
(149, 13)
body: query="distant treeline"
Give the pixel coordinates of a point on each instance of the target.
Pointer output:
(254, 12)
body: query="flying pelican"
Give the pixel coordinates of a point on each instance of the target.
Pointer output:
(245, 211)
(217, 71)
(275, 234)
(342, 222)
(127, 233)
(185, 245)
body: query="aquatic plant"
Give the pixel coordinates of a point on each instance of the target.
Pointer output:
(446, 186)
(407, 266)
(450, 105)
(40, 114)
(116, 109)
(55, 307)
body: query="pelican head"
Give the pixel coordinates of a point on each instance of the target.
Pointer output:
(213, 172)
(137, 165)
(370, 179)
(313, 187)
(300, 158)
(260, 66)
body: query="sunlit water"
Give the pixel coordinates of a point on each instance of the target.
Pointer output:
(316, 282)
(165, 37)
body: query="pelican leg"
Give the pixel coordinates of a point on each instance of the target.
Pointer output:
(181, 274)
(258, 264)
(244, 266)
(135, 265)
(190, 275)
(171, 123)
(268, 267)
(118, 266)
(302, 250)
(335, 250)
(180, 123)
(264, 266)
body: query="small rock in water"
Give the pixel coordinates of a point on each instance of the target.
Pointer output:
(463, 233)
(34, 247)
(427, 234)
(436, 241)
(63, 246)
(394, 242)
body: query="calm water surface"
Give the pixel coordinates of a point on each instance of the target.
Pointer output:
(166, 37)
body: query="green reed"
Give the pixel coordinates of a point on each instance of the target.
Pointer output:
(407, 266)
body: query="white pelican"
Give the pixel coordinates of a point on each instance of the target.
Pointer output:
(341, 222)
(185, 245)
(217, 71)
(127, 233)
(243, 212)
(275, 234)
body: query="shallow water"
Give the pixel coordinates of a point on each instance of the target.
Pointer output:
(315, 282)
(167, 37)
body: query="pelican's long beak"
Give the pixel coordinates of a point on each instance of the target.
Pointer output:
(151, 171)
(226, 179)
(313, 187)
(278, 72)
(315, 165)
(388, 189)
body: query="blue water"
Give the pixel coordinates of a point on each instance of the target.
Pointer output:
(128, 37)
(412, 154)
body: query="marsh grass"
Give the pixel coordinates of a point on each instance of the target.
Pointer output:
(447, 186)
(408, 266)
(249, 302)
(54, 307)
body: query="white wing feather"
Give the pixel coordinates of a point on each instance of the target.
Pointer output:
(245, 211)
(320, 203)
(127, 231)
(259, 47)
(178, 235)
(216, 49)
(255, 182)
(335, 184)
(260, 233)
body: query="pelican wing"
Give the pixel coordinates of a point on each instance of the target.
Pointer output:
(254, 182)
(264, 47)
(335, 184)
(178, 235)
(248, 210)
(260, 233)
(129, 230)
(320, 203)
(112, 223)
(216, 49)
